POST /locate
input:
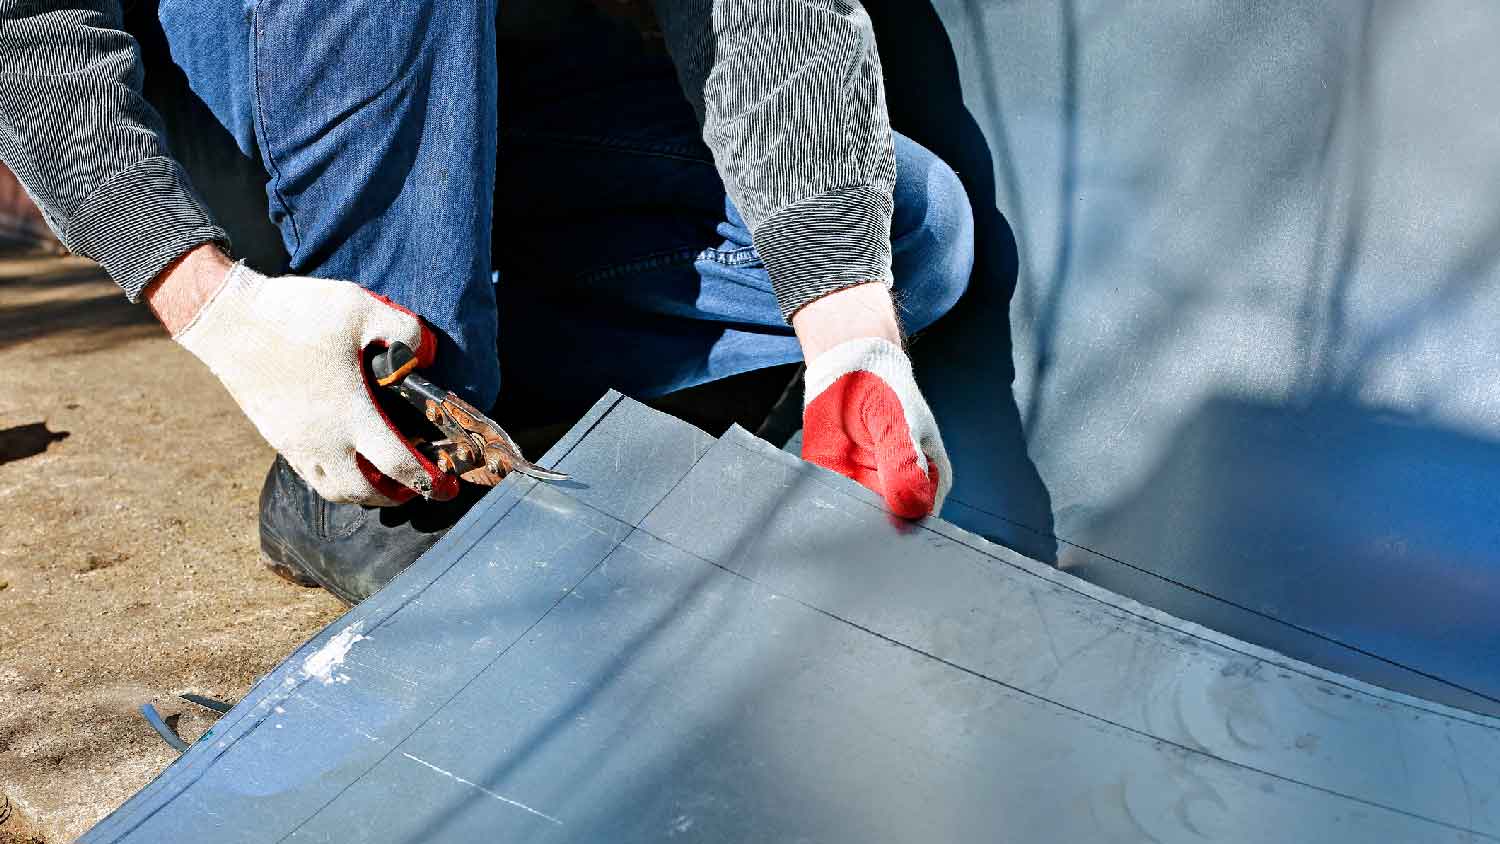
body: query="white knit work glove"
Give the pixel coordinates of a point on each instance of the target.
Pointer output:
(290, 351)
(865, 419)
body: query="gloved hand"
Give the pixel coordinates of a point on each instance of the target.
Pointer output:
(865, 419)
(290, 351)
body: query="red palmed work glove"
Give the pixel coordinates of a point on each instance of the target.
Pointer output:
(290, 351)
(865, 419)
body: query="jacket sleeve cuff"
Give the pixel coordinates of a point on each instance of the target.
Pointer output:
(140, 221)
(824, 243)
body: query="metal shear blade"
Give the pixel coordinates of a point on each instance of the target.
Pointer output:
(477, 449)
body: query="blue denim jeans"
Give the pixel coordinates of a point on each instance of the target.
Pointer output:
(620, 261)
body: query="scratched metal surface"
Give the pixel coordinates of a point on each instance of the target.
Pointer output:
(729, 645)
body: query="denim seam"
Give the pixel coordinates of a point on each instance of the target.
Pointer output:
(655, 149)
(262, 135)
(652, 261)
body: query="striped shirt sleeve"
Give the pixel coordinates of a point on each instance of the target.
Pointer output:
(85, 144)
(792, 103)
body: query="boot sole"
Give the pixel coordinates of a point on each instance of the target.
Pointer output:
(279, 559)
(283, 563)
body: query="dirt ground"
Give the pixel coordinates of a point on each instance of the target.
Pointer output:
(128, 570)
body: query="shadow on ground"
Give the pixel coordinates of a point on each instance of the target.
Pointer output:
(43, 296)
(22, 441)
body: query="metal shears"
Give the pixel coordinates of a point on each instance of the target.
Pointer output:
(475, 447)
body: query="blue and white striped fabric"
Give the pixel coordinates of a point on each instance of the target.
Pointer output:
(87, 146)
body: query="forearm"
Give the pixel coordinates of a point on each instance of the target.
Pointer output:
(77, 133)
(851, 313)
(185, 286)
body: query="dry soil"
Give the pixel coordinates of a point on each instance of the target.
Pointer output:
(128, 572)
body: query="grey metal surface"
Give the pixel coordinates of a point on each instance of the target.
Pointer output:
(726, 644)
(1248, 257)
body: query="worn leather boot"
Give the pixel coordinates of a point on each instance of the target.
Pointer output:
(347, 549)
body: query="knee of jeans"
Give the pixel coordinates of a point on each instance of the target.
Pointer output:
(935, 259)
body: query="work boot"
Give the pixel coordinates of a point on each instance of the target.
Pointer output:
(347, 549)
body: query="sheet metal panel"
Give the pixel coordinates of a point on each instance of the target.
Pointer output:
(764, 655)
(988, 610)
(296, 741)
